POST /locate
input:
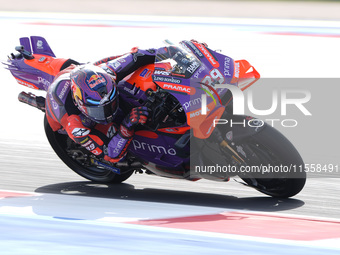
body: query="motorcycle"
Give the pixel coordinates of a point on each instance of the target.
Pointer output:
(181, 139)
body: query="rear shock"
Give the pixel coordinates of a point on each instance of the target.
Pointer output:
(32, 100)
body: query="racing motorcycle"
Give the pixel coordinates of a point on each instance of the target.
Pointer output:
(188, 94)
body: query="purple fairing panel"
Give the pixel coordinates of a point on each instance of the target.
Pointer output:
(36, 45)
(223, 63)
(26, 74)
(160, 151)
(25, 41)
(40, 46)
(29, 76)
(226, 66)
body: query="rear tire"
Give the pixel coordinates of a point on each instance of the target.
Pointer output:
(59, 143)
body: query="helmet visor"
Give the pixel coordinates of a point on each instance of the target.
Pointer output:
(102, 113)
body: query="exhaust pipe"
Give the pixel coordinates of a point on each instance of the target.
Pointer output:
(32, 100)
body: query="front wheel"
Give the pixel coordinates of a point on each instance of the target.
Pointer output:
(284, 174)
(66, 149)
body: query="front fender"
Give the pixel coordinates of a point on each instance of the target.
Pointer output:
(236, 128)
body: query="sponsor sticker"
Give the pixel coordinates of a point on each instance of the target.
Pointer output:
(144, 72)
(179, 88)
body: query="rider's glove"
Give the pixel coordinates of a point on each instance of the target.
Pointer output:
(118, 145)
(138, 115)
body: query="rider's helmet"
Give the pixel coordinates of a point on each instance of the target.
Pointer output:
(94, 92)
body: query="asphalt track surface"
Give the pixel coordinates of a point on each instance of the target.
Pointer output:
(28, 164)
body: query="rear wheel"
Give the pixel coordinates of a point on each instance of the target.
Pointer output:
(75, 157)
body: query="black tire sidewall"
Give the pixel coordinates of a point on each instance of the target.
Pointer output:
(288, 155)
(55, 139)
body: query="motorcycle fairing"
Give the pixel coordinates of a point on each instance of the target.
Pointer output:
(216, 69)
(25, 42)
(159, 153)
(38, 72)
(245, 74)
(39, 45)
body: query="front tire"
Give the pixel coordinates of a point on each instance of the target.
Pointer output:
(271, 148)
(60, 143)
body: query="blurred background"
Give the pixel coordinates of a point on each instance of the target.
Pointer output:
(305, 9)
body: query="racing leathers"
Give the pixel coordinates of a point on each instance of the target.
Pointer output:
(107, 141)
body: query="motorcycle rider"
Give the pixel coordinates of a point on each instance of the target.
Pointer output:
(83, 102)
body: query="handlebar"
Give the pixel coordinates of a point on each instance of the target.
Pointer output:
(165, 110)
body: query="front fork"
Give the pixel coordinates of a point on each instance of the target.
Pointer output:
(231, 132)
